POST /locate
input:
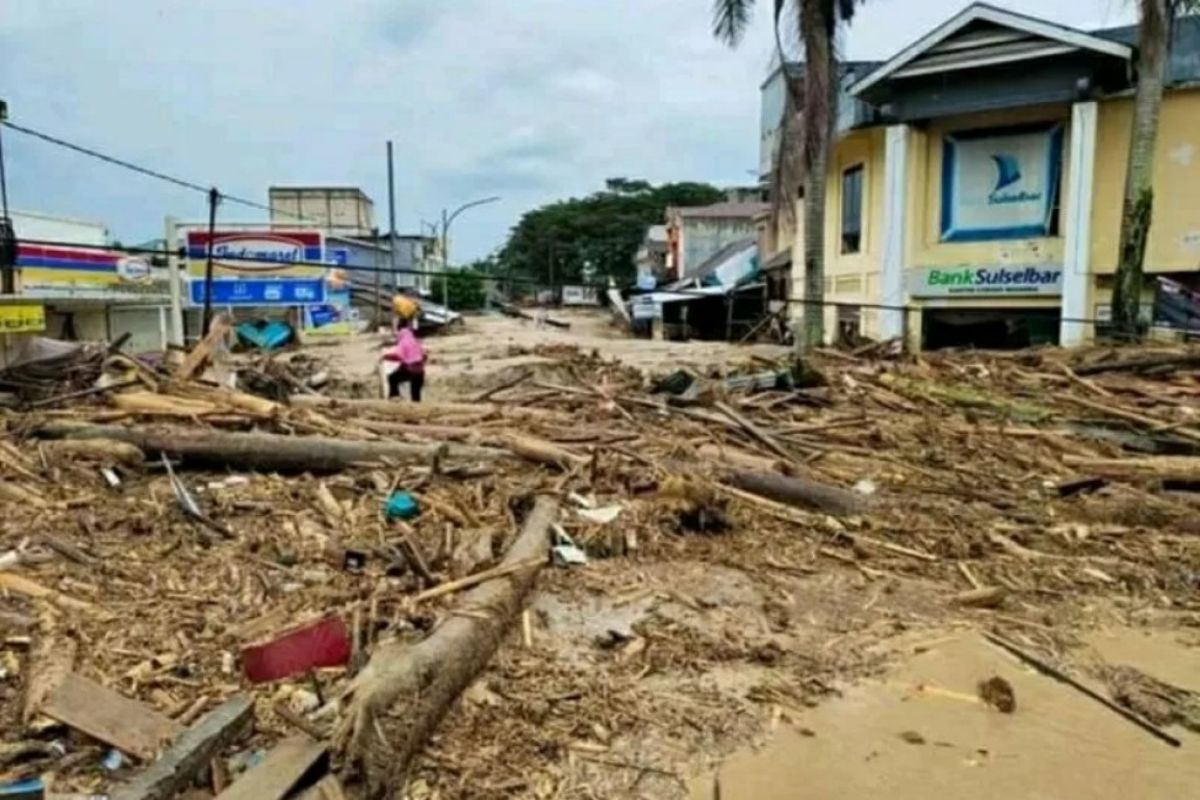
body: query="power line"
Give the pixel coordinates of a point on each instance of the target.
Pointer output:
(148, 172)
(627, 291)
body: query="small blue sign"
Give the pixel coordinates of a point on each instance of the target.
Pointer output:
(338, 256)
(261, 292)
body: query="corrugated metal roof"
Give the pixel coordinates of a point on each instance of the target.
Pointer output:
(1183, 64)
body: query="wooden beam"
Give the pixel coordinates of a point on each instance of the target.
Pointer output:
(192, 752)
(283, 768)
(114, 719)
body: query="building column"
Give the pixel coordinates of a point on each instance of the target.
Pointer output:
(1077, 225)
(895, 228)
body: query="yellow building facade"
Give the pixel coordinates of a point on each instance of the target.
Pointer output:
(976, 200)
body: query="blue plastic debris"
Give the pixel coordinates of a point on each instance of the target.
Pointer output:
(265, 334)
(401, 505)
(113, 760)
(32, 789)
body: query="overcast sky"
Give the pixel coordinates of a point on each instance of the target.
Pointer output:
(532, 100)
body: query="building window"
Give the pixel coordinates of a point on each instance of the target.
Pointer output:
(852, 216)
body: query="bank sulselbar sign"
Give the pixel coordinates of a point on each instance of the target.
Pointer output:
(985, 281)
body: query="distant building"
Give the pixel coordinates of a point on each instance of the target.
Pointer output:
(77, 286)
(337, 210)
(651, 256)
(696, 233)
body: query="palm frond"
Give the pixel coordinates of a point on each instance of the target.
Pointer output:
(731, 18)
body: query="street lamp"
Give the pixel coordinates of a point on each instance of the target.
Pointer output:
(447, 219)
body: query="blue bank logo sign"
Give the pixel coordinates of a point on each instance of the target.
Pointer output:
(1000, 184)
(985, 281)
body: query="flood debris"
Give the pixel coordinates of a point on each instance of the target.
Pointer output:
(331, 630)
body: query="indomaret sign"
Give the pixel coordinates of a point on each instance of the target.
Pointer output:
(985, 281)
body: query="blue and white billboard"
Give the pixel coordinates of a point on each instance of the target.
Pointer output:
(1000, 183)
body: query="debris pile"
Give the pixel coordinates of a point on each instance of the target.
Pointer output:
(260, 589)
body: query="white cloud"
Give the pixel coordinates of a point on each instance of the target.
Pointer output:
(529, 99)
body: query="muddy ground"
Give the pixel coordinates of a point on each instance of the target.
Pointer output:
(732, 668)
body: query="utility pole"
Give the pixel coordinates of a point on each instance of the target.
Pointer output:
(391, 234)
(214, 197)
(8, 237)
(445, 262)
(175, 275)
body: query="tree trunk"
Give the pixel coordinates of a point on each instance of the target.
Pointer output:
(422, 681)
(820, 109)
(265, 451)
(1136, 212)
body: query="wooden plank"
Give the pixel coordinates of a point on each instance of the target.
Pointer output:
(283, 768)
(192, 752)
(114, 719)
(328, 788)
(200, 353)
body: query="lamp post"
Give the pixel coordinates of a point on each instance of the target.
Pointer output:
(448, 217)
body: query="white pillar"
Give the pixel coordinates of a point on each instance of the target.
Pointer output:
(175, 279)
(895, 227)
(1077, 224)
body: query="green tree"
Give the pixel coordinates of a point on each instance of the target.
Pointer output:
(817, 22)
(598, 234)
(1153, 48)
(466, 291)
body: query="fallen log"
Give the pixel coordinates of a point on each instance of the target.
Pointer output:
(424, 679)
(1146, 362)
(732, 457)
(97, 450)
(800, 492)
(420, 412)
(265, 451)
(1166, 468)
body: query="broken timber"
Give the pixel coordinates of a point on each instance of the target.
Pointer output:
(192, 752)
(112, 718)
(282, 770)
(427, 677)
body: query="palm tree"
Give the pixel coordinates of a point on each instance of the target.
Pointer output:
(1153, 48)
(817, 21)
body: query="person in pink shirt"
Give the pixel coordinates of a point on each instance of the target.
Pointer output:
(409, 356)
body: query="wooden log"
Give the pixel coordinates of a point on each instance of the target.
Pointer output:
(1166, 468)
(97, 450)
(541, 451)
(421, 412)
(152, 404)
(266, 451)
(738, 459)
(424, 679)
(1132, 416)
(283, 769)
(801, 492)
(982, 597)
(192, 751)
(194, 361)
(1145, 362)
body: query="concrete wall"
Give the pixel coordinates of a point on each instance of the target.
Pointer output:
(1175, 230)
(341, 210)
(702, 237)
